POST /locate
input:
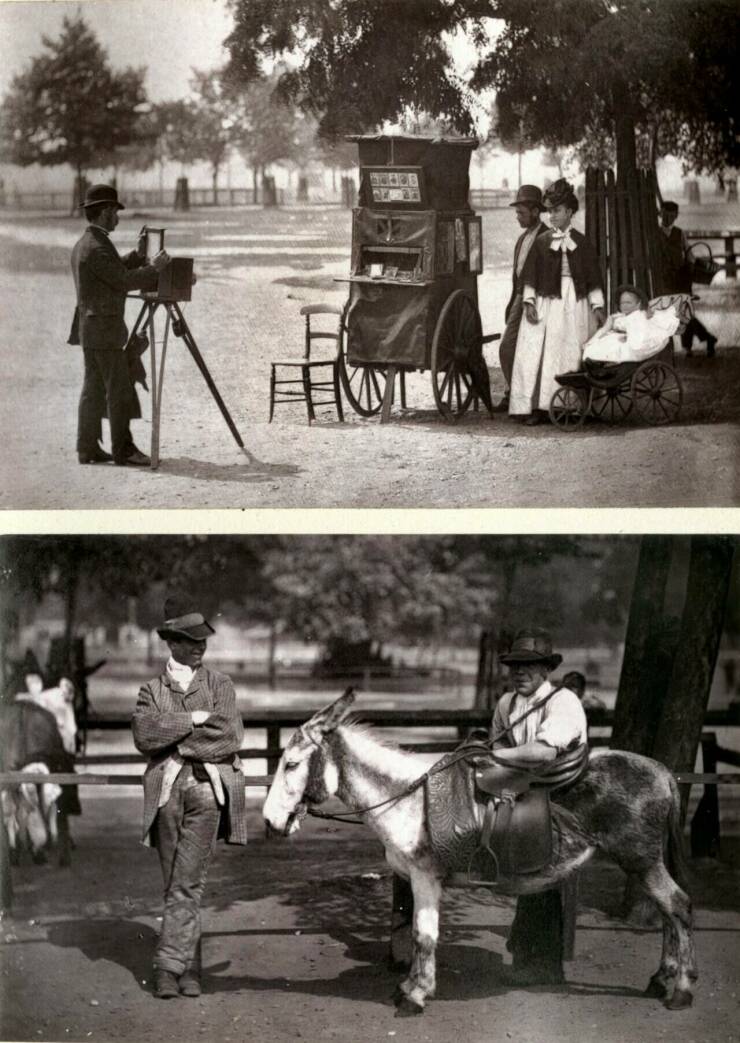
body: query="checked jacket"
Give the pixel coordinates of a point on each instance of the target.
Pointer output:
(162, 725)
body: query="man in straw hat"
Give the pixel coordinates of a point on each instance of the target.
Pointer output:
(102, 280)
(186, 722)
(558, 723)
(528, 207)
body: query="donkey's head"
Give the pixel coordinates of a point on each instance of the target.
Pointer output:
(306, 773)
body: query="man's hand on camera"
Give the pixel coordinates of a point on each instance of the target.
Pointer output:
(200, 716)
(161, 260)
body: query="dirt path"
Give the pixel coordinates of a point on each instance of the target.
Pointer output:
(244, 316)
(294, 948)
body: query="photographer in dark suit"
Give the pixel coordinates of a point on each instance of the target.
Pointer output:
(102, 280)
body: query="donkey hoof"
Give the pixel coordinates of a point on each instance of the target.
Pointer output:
(398, 995)
(680, 1000)
(656, 987)
(407, 1008)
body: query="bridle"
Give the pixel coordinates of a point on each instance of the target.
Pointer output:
(461, 753)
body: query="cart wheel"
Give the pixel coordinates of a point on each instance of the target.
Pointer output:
(656, 392)
(363, 385)
(568, 408)
(611, 404)
(457, 334)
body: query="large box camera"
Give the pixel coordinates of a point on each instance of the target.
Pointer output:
(176, 279)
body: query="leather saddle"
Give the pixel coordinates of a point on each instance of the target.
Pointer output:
(516, 833)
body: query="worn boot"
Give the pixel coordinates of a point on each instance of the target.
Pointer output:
(165, 984)
(189, 982)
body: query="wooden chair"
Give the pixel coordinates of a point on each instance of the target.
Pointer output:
(302, 386)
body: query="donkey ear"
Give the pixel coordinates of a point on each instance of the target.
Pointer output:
(326, 720)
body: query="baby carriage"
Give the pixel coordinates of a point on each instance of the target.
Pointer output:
(650, 389)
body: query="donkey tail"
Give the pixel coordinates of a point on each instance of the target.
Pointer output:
(675, 850)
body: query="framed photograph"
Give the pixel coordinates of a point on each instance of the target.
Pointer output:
(475, 245)
(397, 185)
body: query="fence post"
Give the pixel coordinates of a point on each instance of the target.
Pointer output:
(273, 742)
(182, 194)
(705, 833)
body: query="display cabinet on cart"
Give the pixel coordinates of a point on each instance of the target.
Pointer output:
(413, 295)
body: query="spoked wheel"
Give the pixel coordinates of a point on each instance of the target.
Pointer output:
(568, 408)
(656, 392)
(457, 337)
(611, 404)
(364, 386)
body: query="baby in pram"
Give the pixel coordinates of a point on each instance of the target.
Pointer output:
(638, 330)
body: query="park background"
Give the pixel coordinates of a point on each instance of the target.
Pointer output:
(258, 262)
(296, 932)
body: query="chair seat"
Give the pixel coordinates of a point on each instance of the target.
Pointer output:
(302, 364)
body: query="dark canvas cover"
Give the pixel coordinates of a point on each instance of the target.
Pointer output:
(445, 166)
(390, 324)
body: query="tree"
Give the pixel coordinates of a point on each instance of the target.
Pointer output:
(269, 127)
(561, 69)
(69, 106)
(204, 127)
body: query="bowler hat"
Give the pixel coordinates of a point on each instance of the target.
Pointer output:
(101, 195)
(670, 206)
(182, 620)
(530, 195)
(532, 646)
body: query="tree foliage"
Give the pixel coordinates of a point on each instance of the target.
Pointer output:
(69, 106)
(563, 70)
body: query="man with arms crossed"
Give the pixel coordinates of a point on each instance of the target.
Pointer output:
(187, 724)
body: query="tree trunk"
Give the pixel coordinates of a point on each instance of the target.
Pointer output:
(214, 183)
(642, 683)
(679, 729)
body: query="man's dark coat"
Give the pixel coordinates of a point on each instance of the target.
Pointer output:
(102, 279)
(517, 285)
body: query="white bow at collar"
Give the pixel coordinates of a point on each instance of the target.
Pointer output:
(562, 240)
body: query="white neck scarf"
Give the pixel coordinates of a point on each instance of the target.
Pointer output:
(180, 673)
(561, 240)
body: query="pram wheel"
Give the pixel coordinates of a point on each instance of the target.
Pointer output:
(611, 404)
(656, 392)
(568, 408)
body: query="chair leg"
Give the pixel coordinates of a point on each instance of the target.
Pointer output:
(272, 392)
(338, 393)
(403, 389)
(307, 388)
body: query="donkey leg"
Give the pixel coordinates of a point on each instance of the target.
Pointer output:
(402, 915)
(662, 981)
(421, 982)
(675, 906)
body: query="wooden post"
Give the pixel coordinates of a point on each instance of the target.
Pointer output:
(273, 743)
(611, 206)
(730, 257)
(705, 827)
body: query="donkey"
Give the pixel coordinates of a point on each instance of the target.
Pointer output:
(625, 806)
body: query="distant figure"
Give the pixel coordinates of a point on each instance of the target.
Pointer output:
(576, 682)
(677, 274)
(102, 280)
(187, 724)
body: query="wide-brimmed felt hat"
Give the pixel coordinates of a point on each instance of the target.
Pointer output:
(101, 195)
(530, 195)
(181, 619)
(532, 646)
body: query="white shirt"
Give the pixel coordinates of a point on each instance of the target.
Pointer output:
(560, 723)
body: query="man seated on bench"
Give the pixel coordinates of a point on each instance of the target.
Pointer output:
(633, 333)
(556, 724)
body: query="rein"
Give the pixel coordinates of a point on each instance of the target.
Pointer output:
(460, 754)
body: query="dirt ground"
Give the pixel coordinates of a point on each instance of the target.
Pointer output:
(255, 270)
(295, 940)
